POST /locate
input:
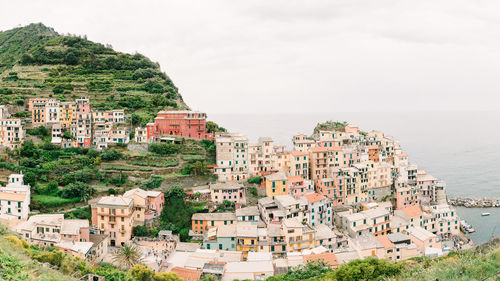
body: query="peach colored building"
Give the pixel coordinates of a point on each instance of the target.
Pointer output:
(299, 164)
(406, 195)
(37, 108)
(114, 216)
(230, 191)
(423, 239)
(276, 184)
(319, 160)
(298, 186)
(201, 222)
(11, 133)
(50, 229)
(332, 188)
(148, 205)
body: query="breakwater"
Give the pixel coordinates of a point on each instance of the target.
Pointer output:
(475, 202)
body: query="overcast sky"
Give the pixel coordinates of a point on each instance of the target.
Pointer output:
(299, 56)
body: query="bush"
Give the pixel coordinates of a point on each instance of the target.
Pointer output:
(111, 155)
(255, 180)
(164, 148)
(152, 183)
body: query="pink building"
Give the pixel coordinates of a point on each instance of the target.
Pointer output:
(332, 188)
(298, 187)
(187, 124)
(406, 195)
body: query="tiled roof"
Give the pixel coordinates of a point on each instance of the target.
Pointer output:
(12, 196)
(385, 241)
(413, 211)
(277, 177)
(187, 274)
(329, 258)
(214, 216)
(299, 153)
(314, 197)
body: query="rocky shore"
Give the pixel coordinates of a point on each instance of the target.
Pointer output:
(475, 202)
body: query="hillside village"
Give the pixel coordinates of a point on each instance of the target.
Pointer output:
(107, 174)
(339, 195)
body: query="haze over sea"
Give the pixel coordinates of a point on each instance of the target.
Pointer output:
(461, 148)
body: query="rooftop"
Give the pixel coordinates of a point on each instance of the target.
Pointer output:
(328, 258)
(226, 185)
(248, 211)
(187, 274)
(276, 177)
(115, 201)
(214, 216)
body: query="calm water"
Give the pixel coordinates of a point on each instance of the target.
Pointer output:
(462, 148)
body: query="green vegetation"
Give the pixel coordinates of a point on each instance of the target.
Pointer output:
(36, 61)
(255, 180)
(330, 125)
(172, 219)
(21, 261)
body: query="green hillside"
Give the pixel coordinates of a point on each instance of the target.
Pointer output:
(36, 61)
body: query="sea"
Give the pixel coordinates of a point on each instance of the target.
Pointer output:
(461, 148)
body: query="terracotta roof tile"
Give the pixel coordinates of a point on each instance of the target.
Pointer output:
(385, 241)
(413, 211)
(187, 274)
(329, 258)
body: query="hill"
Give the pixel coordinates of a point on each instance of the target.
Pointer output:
(36, 61)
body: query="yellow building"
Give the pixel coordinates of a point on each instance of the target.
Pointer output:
(67, 114)
(247, 238)
(298, 236)
(276, 184)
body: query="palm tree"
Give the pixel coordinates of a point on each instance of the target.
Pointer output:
(128, 255)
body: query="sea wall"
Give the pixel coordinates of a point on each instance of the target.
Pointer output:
(475, 202)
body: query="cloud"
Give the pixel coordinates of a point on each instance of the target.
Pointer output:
(300, 56)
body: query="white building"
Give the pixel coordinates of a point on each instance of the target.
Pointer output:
(15, 198)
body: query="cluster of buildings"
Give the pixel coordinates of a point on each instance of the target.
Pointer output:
(75, 124)
(11, 130)
(170, 124)
(342, 193)
(15, 198)
(116, 216)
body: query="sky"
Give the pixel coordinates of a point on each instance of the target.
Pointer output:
(289, 56)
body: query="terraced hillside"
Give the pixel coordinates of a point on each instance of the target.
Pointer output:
(36, 61)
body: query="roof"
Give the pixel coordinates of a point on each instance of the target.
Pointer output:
(329, 258)
(299, 153)
(397, 237)
(346, 256)
(293, 222)
(187, 274)
(226, 231)
(286, 200)
(248, 211)
(314, 197)
(246, 231)
(295, 179)
(45, 219)
(18, 197)
(79, 247)
(187, 247)
(115, 201)
(251, 267)
(96, 239)
(226, 185)
(323, 232)
(259, 256)
(142, 193)
(214, 216)
(276, 177)
(72, 227)
(413, 211)
(385, 241)
(420, 233)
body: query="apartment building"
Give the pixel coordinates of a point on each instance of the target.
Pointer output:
(51, 229)
(302, 143)
(221, 238)
(332, 188)
(298, 186)
(230, 191)
(318, 209)
(299, 164)
(183, 123)
(147, 204)
(298, 236)
(261, 156)
(202, 222)
(114, 216)
(15, 198)
(276, 184)
(406, 195)
(231, 157)
(11, 133)
(374, 222)
(140, 135)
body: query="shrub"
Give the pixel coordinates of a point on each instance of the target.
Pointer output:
(164, 148)
(255, 180)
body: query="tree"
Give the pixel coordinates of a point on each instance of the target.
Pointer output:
(128, 255)
(141, 273)
(135, 119)
(28, 149)
(199, 168)
(79, 190)
(367, 269)
(163, 148)
(166, 276)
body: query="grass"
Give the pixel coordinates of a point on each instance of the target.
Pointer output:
(17, 265)
(50, 201)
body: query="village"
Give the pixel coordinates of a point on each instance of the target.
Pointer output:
(337, 195)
